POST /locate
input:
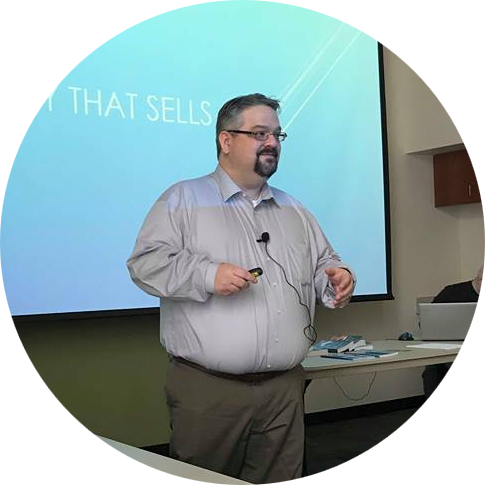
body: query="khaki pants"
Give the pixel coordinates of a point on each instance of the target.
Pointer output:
(251, 431)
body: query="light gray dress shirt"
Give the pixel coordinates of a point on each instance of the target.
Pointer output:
(198, 224)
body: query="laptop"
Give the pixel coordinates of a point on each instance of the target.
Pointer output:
(445, 321)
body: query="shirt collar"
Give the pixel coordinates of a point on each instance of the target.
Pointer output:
(228, 188)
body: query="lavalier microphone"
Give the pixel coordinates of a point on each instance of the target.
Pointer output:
(264, 237)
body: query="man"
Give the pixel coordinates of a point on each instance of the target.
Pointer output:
(464, 292)
(235, 386)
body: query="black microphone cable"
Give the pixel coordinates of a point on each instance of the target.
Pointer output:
(309, 330)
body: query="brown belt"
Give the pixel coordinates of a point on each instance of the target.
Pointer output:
(252, 377)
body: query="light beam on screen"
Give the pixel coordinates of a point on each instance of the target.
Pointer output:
(318, 85)
(286, 94)
(138, 115)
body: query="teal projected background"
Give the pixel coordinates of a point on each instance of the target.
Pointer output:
(139, 114)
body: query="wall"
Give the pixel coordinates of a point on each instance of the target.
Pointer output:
(471, 235)
(110, 373)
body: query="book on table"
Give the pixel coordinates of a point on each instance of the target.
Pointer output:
(362, 355)
(337, 345)
(377, 354)
(348, 356)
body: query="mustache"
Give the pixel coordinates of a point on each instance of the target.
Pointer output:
(268, 151)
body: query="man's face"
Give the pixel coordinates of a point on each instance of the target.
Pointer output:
(251, 154)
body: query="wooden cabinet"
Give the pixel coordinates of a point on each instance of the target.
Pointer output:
(454, 179)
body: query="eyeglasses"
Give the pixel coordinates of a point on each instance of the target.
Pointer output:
(262, 135)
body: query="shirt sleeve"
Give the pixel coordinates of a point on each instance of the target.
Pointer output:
(326, 257)
(160, 263)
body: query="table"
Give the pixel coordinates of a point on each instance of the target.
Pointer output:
(320, 367)
(169, 465)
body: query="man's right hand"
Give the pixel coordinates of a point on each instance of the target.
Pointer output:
(231, 279)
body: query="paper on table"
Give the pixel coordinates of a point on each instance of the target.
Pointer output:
(436, 345)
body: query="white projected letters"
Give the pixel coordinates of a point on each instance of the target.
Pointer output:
(130, 106)
(49, 101)
(174, 110)
(94, 102)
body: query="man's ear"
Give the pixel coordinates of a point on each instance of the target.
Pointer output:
(225, 142)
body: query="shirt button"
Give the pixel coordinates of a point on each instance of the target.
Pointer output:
(275, 284)
(268, 366)
(279, 312)
(277, 340)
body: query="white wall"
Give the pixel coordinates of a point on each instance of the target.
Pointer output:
(471, 240)
(430, 247)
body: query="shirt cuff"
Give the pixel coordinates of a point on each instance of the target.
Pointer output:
(210, 277)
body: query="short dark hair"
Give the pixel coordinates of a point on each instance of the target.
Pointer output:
(227, 117)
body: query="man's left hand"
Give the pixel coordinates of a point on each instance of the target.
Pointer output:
(343, 285)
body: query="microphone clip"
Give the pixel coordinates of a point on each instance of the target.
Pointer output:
(264, 237)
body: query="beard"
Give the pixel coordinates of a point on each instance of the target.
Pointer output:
(268, 166)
